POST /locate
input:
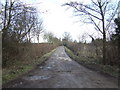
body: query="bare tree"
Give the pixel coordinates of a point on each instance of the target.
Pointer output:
(38, 30)
(51, 38)
(18, 22)
(7, 16)
(67, 36)
(100, 13)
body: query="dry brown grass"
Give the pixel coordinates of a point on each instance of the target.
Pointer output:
(27, 53)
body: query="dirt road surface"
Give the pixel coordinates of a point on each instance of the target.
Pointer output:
(59, 71)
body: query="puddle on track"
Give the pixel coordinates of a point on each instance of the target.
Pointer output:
(37, 78)
(64, 58)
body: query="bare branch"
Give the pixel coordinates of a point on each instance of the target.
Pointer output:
(112, 17)
(94, 3)
(97, 26)
(83, 11)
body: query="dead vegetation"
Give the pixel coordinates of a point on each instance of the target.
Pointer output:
(27, 52)
(90, 55)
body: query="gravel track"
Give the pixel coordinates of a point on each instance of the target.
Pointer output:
(59, 71)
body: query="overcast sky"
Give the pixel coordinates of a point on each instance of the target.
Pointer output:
(59, 19)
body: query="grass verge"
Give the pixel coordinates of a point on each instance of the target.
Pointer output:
(94, 64)
(20, 68)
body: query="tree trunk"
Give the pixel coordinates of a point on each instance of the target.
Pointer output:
(104, 33)
(38, 38)
(104, 41)
(104, 48)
